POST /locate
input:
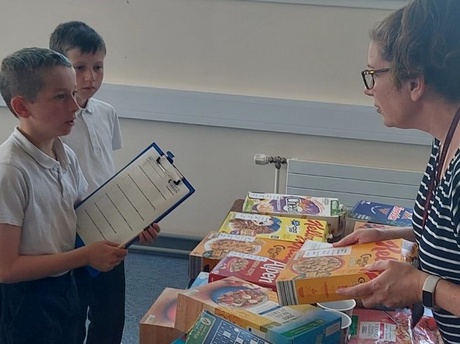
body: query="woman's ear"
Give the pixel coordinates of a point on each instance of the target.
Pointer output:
(19, 106)
(416, 87)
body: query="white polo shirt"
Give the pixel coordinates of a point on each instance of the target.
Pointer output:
(39, 194)
(94, 137)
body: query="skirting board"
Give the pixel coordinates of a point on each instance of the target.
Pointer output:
(168, 245)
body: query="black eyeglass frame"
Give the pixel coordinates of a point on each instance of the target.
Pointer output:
(372, 72)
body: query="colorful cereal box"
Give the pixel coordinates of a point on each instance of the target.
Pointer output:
(255, 269)
(275, 227)
(320, 208)
(254, 308)
(157, 325)
(216, 246)
(313, 276)
(386, 214)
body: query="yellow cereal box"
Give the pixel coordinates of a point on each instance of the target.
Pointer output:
(275, 227)
(216, 245)
(313, 276)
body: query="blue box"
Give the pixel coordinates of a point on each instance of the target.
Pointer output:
(315, 326)
(386, 214)
(210, 328)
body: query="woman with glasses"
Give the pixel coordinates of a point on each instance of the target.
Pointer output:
(413, 76)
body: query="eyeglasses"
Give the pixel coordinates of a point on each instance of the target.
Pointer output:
(368, 76)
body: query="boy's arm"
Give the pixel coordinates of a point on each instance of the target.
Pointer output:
(103, 256)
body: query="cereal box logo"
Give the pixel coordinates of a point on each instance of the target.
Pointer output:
(315, 229)
(384, 249)
(271, 271)
(296, 205)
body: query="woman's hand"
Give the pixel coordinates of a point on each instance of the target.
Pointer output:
(360, 236)
(398, 285)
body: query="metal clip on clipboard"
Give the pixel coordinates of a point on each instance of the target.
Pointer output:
(168, 169)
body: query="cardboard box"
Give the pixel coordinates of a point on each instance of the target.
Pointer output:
(320, 208)
(253, 308)
(157, 325)
(211, 329)
(313, 276)
(260, 270)
(386, 214)
(216, 246)
(275, 227)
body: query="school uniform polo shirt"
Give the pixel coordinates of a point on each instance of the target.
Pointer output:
(94, 137)
(39, 194)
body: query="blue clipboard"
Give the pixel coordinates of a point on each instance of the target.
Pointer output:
(152, 174)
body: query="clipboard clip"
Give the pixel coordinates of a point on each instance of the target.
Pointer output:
(166, 166)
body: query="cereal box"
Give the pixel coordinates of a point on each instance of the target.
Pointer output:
(252, 268)
(320, 208)
(275, 227)
(157, 325)
(314, 275)
(386, 214)
(211, 329)
(216, 245)
(254, 308)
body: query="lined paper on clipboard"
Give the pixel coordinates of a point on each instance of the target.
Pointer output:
(142, 193)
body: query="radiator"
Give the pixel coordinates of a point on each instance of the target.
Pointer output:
(351, 184)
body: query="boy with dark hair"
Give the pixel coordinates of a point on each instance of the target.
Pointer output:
(41, 184)
(94, 138)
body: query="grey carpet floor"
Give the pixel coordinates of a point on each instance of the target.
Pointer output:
(146, 277)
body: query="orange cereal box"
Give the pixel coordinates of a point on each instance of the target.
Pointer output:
(216, 245)
(314, 275)
(275, 227)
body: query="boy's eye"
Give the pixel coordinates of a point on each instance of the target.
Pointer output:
(60, 96)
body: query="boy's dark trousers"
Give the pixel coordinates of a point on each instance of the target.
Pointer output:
(41, 312)
(105, 297)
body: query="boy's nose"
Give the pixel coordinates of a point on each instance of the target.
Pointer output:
(90, 75)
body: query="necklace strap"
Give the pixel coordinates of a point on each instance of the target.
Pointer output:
(435, 176)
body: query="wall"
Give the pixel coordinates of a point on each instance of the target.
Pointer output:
(272, 50)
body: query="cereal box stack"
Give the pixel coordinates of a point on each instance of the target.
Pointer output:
(275, 227)
(256, 309)
(216, 245)
(326, 209)
(313, 276)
